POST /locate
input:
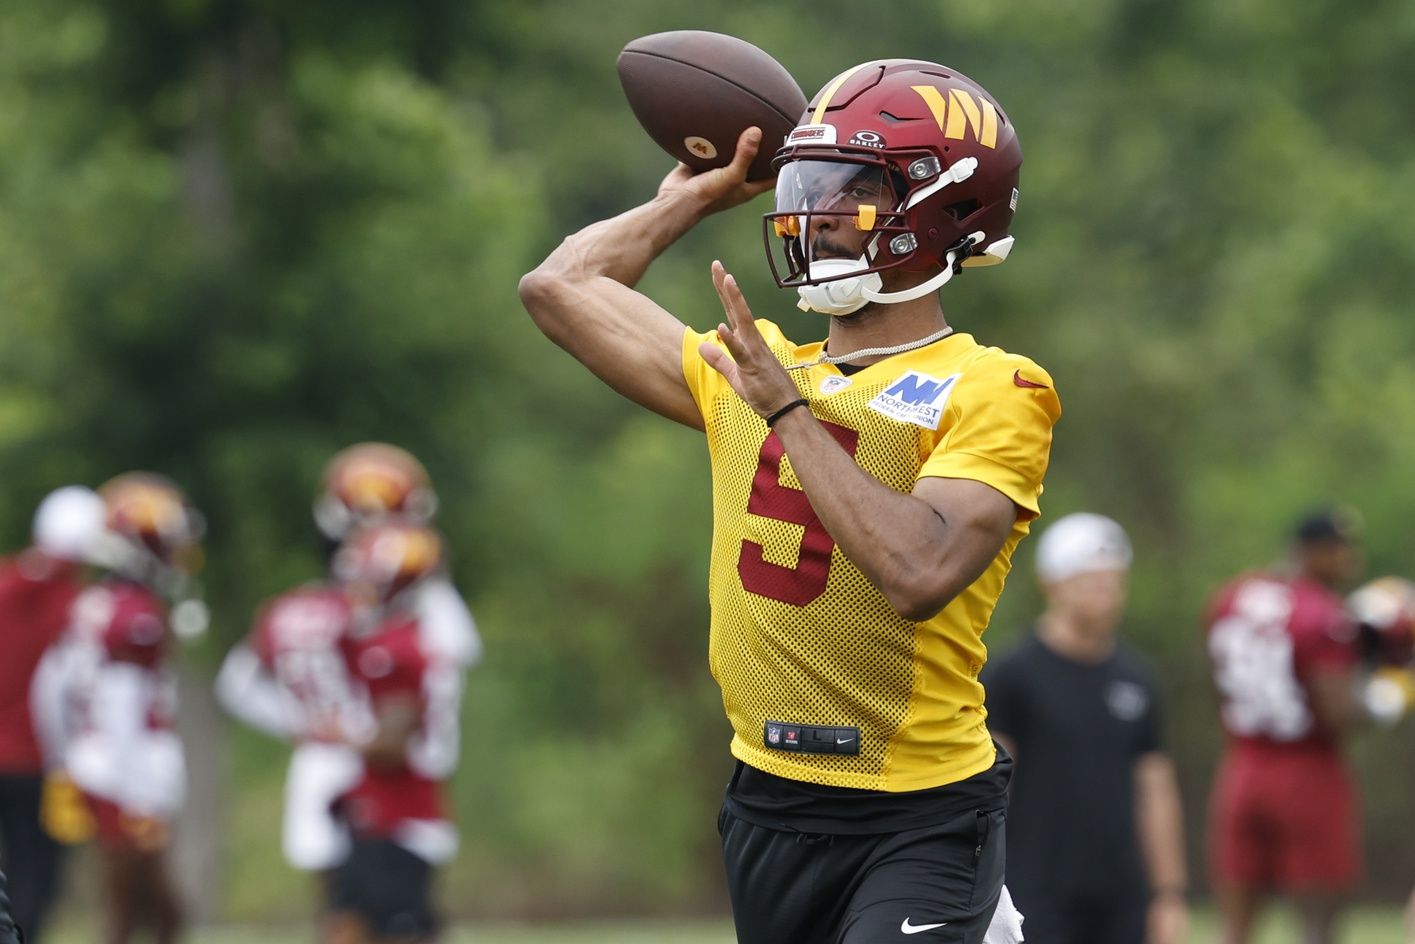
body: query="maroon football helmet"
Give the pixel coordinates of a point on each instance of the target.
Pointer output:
(916, 155)
(1384, 610)
(370, 481)
(377, 563)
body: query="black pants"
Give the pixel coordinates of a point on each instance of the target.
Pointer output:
(388, 886)
(27, 855)
(940, 883)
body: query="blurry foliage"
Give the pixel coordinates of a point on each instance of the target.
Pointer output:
(236, 235)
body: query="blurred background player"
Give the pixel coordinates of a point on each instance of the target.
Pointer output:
(289, 678)
(37, 588)
(370, 482)
(1095, 849)
(110, 699)
(396, 813)
(1285, 654)
(1384, 610)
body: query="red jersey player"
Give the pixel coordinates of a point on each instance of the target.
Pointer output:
(116, 699)
(372, 482)
(397, 813)
(1284, 653)
(288, 679)
(37, 588)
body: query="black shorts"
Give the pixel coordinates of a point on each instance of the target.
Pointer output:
(386, 885)
(932, 885)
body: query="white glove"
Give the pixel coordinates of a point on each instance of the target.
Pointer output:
(1006, 924)
(1385, 700)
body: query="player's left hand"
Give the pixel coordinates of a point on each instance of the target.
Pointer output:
(752, 370)
(1168, 920)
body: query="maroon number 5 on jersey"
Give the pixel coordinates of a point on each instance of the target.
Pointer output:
(806, 581)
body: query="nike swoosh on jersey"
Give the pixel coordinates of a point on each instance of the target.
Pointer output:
(1021, 381)
(841, 740)
(907, 928)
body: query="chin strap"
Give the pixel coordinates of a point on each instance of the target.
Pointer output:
(841, 295)
(845, 296)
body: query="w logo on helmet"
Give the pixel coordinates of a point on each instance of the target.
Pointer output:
(960, 112)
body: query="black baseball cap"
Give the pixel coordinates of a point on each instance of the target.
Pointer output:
(1339, 524)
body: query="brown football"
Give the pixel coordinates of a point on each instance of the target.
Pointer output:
(695, 92)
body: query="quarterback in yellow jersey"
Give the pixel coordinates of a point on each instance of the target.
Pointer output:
(868, 494)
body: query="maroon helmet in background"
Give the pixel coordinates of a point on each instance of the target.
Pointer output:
(1384, 610)
(368, 482)
(375, 564)
(913, 153)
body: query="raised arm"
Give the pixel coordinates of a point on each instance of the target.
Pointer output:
(582, 296)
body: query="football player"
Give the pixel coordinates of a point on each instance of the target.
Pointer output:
(868, 495)
(288, 679)
(1285, 652)
(396, 812)
(370, 482)
(116, 699)
(37, 588)
(1384, 611)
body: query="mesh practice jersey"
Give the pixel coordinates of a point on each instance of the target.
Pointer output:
(799, 635)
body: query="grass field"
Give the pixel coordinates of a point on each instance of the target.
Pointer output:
(1364, 926)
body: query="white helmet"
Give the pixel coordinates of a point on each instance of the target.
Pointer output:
(69, 523)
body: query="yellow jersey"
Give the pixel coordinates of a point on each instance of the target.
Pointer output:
(798, 633)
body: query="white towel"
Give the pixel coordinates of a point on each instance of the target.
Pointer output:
(1006, 925)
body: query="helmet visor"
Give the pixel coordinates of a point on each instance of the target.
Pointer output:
(828, 209)
(832, 187)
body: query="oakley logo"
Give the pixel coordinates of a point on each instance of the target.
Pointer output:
(960, 112)
(868, 139)
(907, 928)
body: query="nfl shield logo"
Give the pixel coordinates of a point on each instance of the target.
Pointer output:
(773, 734)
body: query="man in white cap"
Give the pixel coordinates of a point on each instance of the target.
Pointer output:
(37, 587)
(1095, 841)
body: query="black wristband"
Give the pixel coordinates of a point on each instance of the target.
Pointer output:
(784, 410)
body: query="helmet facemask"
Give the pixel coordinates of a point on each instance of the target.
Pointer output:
(826, 196)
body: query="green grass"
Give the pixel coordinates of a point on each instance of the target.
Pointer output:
(1363, 926)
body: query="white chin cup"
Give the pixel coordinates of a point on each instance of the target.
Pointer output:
(840, 296)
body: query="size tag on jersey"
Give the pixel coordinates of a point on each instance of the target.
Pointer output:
(811, 739)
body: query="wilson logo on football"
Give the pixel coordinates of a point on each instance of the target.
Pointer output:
(869, 139)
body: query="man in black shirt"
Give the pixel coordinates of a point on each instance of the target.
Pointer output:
(1094, 839)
